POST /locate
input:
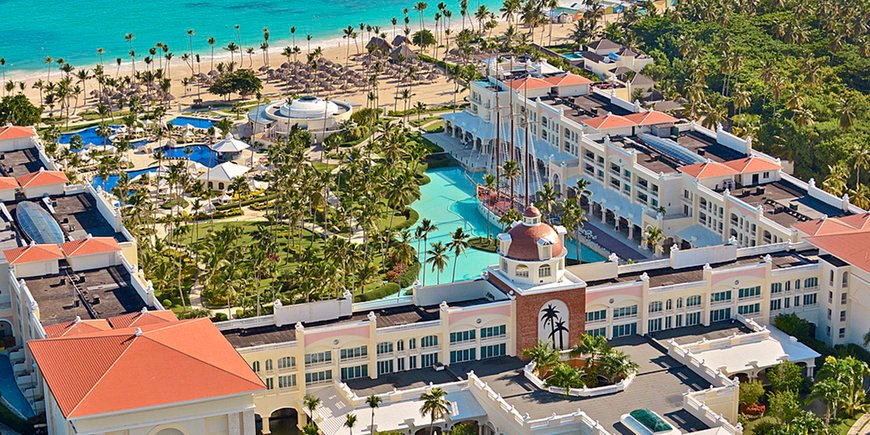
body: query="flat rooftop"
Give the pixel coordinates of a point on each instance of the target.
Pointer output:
(386, 317)
(60, 302)
(668, 275)
(9, 236)
(707, 147)
(77, 216)
(658, 386)
(785, 203)
(584, 106)
(20, 162)
(647, 156)
(694, 334)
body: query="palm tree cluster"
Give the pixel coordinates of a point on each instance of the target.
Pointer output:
(789, 74)
(599, 364)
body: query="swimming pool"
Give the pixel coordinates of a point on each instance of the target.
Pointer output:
(449, 202)
(9, 388)
(198, 153)
(572, 56)
(181, 121)
(112, 181)
(90, 137)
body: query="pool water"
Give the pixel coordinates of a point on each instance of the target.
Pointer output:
(90, 137)
(200, 153)
(181, 121)
(449, 202)
(572, 56)
(9, 389)
(112, 181)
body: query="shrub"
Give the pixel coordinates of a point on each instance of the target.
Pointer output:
(483, 243)
(754, 410)
(407, 279)
(193, 313)
(219, 317)
(167, 303)
(751, 392)
(379, 292)
(786, 376)
(396, 271)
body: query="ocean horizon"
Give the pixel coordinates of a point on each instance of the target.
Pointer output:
(74, 30)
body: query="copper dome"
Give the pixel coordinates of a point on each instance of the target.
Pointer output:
(524, 241)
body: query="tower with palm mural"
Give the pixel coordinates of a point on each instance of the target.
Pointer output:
(550, 301)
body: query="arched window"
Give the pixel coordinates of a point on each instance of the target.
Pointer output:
(412, 343)
(255, 366)
(268, 365)
(400, 345)
(523, 271)
(797, 284)
(679, 302)
(845, 279)
(221, 186)
(544, 271)
(171, 431)
(831, 278)
(669, 304)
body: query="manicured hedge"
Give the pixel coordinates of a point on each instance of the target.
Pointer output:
(378, 293)
(483, 243)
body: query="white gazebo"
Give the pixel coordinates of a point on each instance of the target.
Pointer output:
(221, 176)
(230, 146)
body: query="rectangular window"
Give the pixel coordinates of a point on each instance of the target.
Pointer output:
(721, 296)
(493, 351)
(775, 304)
(462, 336)
(400, 364)
(786, 302)
(318, 358)
(624, 330)
(270, 384)
(286, 362)
(360, 371)
(287, 381)
(655, 325)
(429, 341)
(412, 362)
(354, 353)
(842, 333)
(596, 316)
(842, 316)
(385, 347)
(493, 331)
(775, 287)
(693, 319)
(750, 292)
(630, 311)
(843, 299)
(749, 309)
(385, 367)
(720, 315)
(598, 331)
(810, 299)
(318, 377)
(458, 356)
(428, 360)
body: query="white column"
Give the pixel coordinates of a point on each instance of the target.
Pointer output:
(234, 424)
(248, 425)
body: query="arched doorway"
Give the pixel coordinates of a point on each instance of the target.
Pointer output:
(169, 431)
(557, 183)
(284, 421)
(7, 334)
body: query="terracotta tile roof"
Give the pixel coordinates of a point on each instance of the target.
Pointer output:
(707, 170)
(528, 83)
(650, 117)
(42, 178)
(134, 368)
(7, 183)
(90, 246)
(752, 164)
(76, 327)
(845, 224)
(609, 121)
(569, 79)
(31, 253)
(524, 241)
(851, 247)
(15, 132)
(143, 317)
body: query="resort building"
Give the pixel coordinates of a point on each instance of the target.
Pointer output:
(645, 168)
(81, 326)
(705, 313)
(320, 117)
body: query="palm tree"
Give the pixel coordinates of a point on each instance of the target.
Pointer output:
(435, 405)
(420, 7)
(654, 237)
(860, 160)
(311, 403)
(211, 42)
(565, 376)
(458, 244)
(838, 175)
(426, 227)
(573, 217)
(547, 200)
(543, 355)
(350, 422)
(511, 170)
(232, 48)
(437, 257)
(374, 402)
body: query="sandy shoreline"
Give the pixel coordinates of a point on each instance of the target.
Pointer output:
(334, 48)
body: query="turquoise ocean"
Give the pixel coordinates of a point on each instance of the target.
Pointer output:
(74, 29)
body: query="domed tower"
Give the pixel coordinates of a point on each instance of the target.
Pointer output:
(550, 302)
(532, 251)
